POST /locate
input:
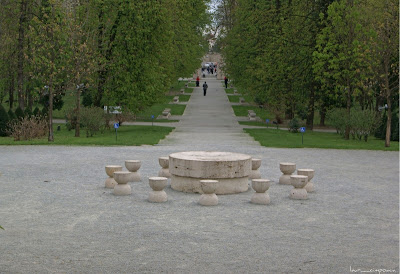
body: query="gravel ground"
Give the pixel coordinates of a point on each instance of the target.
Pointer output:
(59, 218)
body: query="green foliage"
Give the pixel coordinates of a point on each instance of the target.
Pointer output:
(11, 115)
(301, 111)
(4, 119)
(71, 119)
(58, 101)
(380, 132)
(87, 99)
(362, 123)
(19, 113)
(92, 119)
(36, 111)
(338, 118)
(27, 112)
(294, 125)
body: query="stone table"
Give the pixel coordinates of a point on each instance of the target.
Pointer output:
(230, 169)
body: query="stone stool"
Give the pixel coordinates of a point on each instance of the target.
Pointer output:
(164, 163)
(255, 172)
(287, 170)
(310, 174)
(133, 166)
(110, 182)
(299, 182)
(158, 195)
(260, 196)
(122, 178)
(209, 198)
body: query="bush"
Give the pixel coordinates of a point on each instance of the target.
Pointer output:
(27, 112)
(28, 128)
(3, 121)
(294, 125)
(19, 113)
(36, 112)
(71, 119)
(362, 123)
(45, 111)
(338, 118)
(92, 118)
(11, 115)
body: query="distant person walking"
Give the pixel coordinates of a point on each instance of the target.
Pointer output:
(197, 81)
(205, 86)
(226, 82)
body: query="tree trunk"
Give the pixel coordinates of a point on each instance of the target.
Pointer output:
(78, 109)
(348, 106)
(11, 88)
(389, 106)
(51, 135)
(20, 52)
(322, 114)
(310, 114)
(100, 49)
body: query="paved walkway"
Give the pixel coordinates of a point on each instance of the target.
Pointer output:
(208, 120)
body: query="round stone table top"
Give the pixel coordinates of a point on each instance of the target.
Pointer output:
(210, 164)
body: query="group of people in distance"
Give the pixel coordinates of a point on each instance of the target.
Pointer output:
(205, 86)
(211, 68)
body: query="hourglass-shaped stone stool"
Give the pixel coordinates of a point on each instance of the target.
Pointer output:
(310, 174)
(122, 178)
(133, 166)
(158, 195)
(110, 182)
(164, 163)
(255, 172)
(260, 196)
(287, 170)
(299, 182)
(208, 198)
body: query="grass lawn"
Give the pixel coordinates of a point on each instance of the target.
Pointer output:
(127, 136)
(285, 139)
(233, 98)
(189, 90)
(157, 110)
(229, 90)
(260, 112)
(182, 98)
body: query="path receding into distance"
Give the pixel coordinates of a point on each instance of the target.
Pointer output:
(58, 217)
(209, 120)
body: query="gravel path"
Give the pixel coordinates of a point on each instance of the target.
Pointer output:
(59, 218)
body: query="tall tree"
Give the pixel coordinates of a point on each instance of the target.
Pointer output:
(20, 52)
(49, 43)
(82, 60)
(384, 19)
(342, 53)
